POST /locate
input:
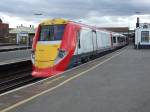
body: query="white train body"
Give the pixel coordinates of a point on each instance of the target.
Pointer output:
(96, 41)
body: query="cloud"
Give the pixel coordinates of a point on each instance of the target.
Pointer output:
(104, 11)
(16, 21)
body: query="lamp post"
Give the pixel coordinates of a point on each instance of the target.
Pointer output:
(137, 25)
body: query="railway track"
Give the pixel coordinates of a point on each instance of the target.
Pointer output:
(19, 75)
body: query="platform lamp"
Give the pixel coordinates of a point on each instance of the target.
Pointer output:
(138, 22)
(137, 25)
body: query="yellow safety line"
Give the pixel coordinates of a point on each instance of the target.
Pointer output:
(49, 82)
(59, 85)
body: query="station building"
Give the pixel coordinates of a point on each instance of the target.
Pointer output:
(142, 35)
(22, 35)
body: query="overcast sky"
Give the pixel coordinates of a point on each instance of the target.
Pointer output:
(100, 13)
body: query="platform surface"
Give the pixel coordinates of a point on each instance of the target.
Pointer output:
(14, 56)
(11, 47)
(120, 83)
(6, 44)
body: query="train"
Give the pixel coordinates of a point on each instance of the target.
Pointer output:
(60, 44)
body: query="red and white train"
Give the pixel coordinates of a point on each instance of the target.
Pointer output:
(59, 44)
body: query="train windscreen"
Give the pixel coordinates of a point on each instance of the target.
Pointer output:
(51, 32)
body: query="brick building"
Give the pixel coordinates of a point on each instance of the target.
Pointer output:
(4, 31)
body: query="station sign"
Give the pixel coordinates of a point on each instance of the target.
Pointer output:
(23, 34)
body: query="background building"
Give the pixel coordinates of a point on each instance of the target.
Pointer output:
(142, 35)
(22, 35)
(4, 32)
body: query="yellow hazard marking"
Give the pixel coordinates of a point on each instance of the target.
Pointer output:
(45, 55)
(49, 82)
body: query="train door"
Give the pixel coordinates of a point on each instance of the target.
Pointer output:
(78, 43)
(85, 41)
(94, 38)
(114, 40)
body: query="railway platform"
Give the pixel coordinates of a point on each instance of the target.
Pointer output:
(5, 48)
(9, 57)
(117, 82)
(6, 44)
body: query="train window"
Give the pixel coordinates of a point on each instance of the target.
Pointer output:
(145, 36)
(114, 39)
(45, 33)
(120, 39)
(58, 31)
(51, 32)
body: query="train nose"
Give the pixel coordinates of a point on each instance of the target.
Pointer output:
(45, 55)
(47, 72)
(41, 74)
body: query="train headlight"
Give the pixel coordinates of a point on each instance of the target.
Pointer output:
(61, 54)
(33, 56)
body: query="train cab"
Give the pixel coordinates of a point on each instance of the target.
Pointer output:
(46, 46)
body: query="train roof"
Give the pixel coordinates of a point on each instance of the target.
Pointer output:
(65, 21)
(54, 21)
